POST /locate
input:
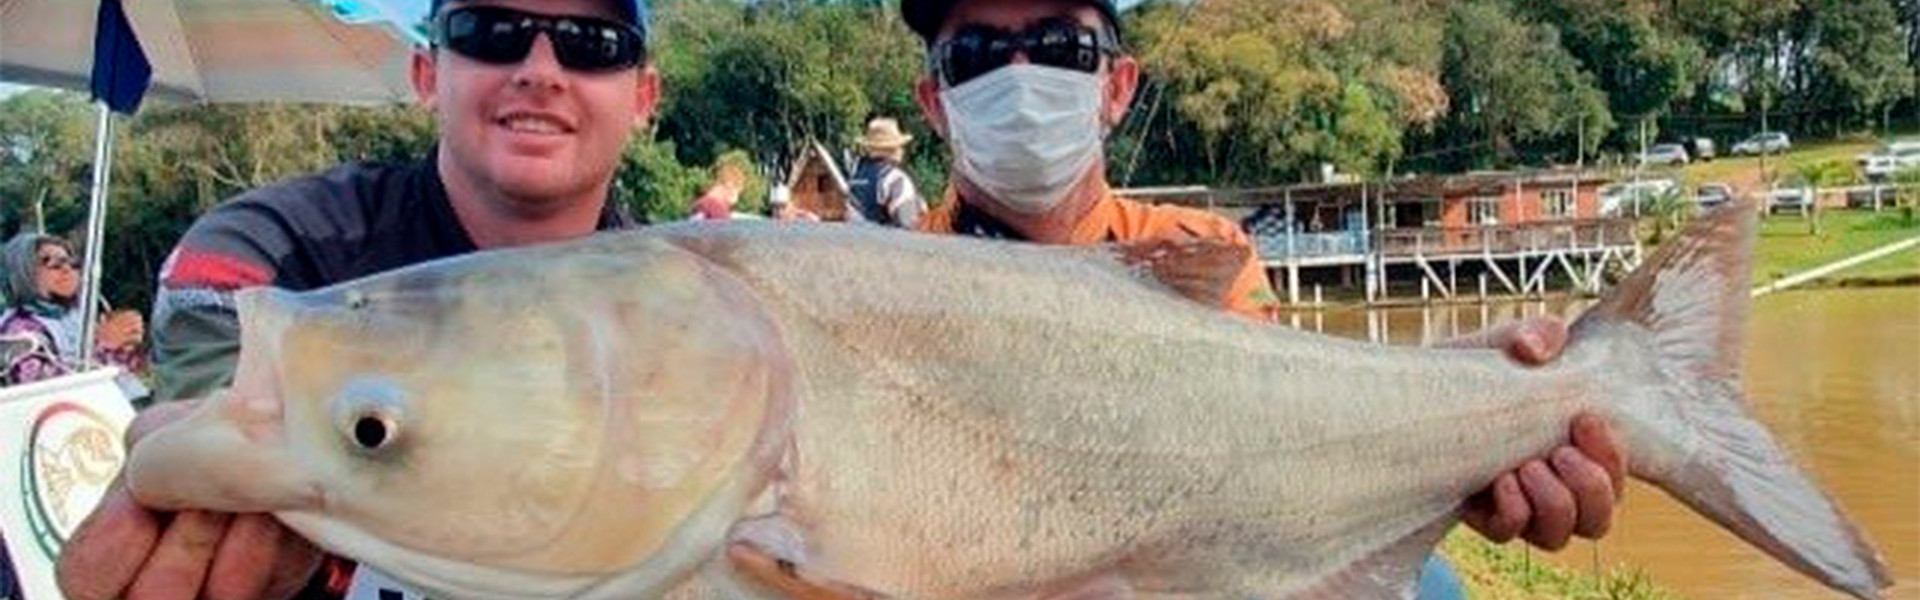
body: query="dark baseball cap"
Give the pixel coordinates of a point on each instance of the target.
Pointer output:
(926, 16)
(633, 11)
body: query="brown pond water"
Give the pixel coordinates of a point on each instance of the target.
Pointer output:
(1834, 373)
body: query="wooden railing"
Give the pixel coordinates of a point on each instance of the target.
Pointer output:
(1312, 245)
(1500, 239)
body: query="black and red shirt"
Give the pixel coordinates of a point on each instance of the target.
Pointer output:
(348, 222)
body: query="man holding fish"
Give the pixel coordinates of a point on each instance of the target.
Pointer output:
(1025, 93)
(534, 99)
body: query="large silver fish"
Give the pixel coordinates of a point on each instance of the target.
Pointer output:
(934, 417)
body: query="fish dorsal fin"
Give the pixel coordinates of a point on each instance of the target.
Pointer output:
(1200, 270)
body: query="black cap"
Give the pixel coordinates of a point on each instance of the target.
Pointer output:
(926, 16)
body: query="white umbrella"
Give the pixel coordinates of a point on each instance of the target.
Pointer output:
(199, 51)
(214, 50)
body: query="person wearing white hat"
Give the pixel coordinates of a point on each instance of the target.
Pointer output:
(881, 192)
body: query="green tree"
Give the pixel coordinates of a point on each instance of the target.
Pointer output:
(46, 158)
(1854, 59)
(1665, 213)
(1741, 42)
(653, 185)
(1511, 81)
(1908, 193)
(1643, 68)
(1255, 91)
(770, 77)
(1824, 175)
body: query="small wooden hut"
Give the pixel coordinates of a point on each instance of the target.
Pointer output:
(818, 185)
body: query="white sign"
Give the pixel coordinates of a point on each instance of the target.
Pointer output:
(369, 584)
(60, 447)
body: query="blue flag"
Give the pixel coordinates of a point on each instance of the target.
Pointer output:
(121, 72)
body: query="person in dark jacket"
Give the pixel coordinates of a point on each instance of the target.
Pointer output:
(881, 192)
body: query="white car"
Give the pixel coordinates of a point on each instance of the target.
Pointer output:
(1766, 141)
(1710, 195)
(1665, 154)
(1880, 165)
(1790, 198)
(1629, 198)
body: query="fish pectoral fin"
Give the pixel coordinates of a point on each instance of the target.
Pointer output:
(787, 578)
(1201, 270)
(1389, 573)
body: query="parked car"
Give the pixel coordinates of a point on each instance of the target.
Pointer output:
(1702, 149)
(1665, 154)
(1765, 141)
(1629, 198)
(1870, 196)
(1793, 195)
(1711, 195)
(1880, 165)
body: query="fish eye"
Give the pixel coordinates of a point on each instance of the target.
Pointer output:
(369, 413)
(374, 431)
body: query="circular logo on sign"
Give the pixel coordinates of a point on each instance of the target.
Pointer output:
(71, 457)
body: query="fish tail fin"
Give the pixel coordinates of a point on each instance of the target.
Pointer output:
(1678, 322)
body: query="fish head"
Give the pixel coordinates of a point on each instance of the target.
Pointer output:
(560, 413)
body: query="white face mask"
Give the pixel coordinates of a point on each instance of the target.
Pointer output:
(1024, 134)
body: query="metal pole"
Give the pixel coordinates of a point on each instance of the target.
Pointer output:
(96, 226)
(1640, 166)
(1580, 151)
(1366, 244)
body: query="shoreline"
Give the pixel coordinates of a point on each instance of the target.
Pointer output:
(1823, 283)
(1514, 571)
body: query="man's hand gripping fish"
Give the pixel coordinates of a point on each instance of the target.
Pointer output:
(888, 414)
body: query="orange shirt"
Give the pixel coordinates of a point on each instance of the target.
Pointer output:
(1115, 219)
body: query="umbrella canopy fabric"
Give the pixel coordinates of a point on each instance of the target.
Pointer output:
(215, 50)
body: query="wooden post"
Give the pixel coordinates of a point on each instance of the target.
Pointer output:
(1453, 276)
(1287, 200)
(1293, 281)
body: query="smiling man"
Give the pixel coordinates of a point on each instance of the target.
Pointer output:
(534, 100)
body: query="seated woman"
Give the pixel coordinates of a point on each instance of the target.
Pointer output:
(43, 321)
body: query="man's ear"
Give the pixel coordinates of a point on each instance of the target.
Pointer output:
(926, 93)
(646, 96)
(424, 74)
(1123, 79)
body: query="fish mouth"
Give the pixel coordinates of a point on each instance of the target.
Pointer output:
(228, 452)
(220, 457)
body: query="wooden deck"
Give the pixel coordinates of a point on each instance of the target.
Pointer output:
(1517, 259)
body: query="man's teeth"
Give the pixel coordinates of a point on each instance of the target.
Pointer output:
(532, 125)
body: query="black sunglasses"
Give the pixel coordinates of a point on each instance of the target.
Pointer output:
(976, 50)
(54, 262)
(504, 36)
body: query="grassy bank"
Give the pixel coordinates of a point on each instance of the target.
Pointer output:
(1787, 247)
(1745, 170)
(1509, 572)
